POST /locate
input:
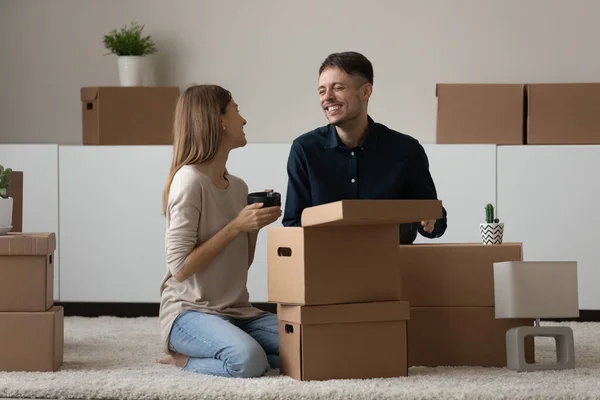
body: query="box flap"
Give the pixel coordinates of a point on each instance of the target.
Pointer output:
(371, 212)
(344, 313)
(89, 93)
(27, 244)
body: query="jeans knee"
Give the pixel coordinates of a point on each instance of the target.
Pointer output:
(251, 362)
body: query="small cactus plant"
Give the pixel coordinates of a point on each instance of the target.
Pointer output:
(489, 214)
(5, 174)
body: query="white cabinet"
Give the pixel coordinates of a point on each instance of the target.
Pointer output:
(112, 227)
(548, 199)
(261, 166)
(465, 179)
(39, 163)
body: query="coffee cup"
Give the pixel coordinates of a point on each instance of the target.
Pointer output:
(269, 199)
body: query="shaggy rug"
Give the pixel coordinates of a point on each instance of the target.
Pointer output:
(117, 358)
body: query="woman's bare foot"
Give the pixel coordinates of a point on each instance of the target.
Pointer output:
(175, 359)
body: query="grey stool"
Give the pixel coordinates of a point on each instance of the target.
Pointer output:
(515, 347)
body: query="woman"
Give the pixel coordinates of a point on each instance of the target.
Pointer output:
(207, 322)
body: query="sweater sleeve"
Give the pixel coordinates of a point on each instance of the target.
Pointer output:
(183, 207)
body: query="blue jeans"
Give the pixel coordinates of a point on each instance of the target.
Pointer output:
(224, 346)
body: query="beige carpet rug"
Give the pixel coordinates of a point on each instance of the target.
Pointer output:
(112, 358)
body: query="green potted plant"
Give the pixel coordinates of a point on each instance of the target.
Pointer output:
(6, 202)
(130, 47)
(492, 230)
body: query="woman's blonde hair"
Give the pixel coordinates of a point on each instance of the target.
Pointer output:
(197, 128)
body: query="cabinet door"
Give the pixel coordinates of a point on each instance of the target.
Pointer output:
(548, 199)
(112, 227)
(465, 179)
(39, 163)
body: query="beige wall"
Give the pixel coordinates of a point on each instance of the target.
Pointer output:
(268, 52)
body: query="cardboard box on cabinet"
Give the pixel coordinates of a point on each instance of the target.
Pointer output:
(34, 341)
(563, 113)
(140, 115)
(345, 252)
(343, 341)
(27, 271)
(478, 113)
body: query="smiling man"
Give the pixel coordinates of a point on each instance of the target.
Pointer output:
(354, 157)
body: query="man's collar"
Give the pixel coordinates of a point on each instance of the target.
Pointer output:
(369, 142)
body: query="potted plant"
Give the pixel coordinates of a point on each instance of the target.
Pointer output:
(130, 47)
(492, 231)
(6, 203)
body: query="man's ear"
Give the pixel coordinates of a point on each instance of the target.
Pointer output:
(366, 91)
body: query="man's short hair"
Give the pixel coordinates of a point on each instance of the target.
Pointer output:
(350, 61)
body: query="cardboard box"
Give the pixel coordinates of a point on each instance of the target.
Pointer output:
(34, 341)
(345, 252)
(27, 271)
(480, 113)
(345, 341)
(453, 274)
(141, 115)
(15, 190)
(563, 113)
(461, 336)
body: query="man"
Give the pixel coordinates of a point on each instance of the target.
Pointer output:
(354, 157)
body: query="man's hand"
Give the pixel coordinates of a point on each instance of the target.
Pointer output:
(428, 225)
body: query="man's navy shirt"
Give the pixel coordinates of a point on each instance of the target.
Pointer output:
(386, 165)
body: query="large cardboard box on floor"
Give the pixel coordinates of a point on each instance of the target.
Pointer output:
(461, 336)
(343, 341)
(15, 191)
(480, 113)
(452, 274)
(345, 252)
(27, 271)
(32, 341)
(563, 113)
(140, 115)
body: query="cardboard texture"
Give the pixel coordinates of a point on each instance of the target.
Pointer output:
(345, 341)
(27, 271)
(461, 336)
(119, 115)
(346, 253)
(32, 341)
(563, 113)
(15, 190)
(453, 274)
(480, 114)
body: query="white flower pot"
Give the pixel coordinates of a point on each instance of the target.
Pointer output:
(492, 233)
(6, 210)
(131, 70)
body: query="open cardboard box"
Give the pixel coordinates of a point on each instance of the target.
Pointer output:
(343, 341)
(34, 341)
(345, 252)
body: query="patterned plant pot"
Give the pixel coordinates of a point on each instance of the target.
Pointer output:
(492, 233)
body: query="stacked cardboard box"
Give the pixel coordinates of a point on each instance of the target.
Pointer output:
(450, 288)
(31, 327)
(125, 115)
(517, 114)
(336, 283)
